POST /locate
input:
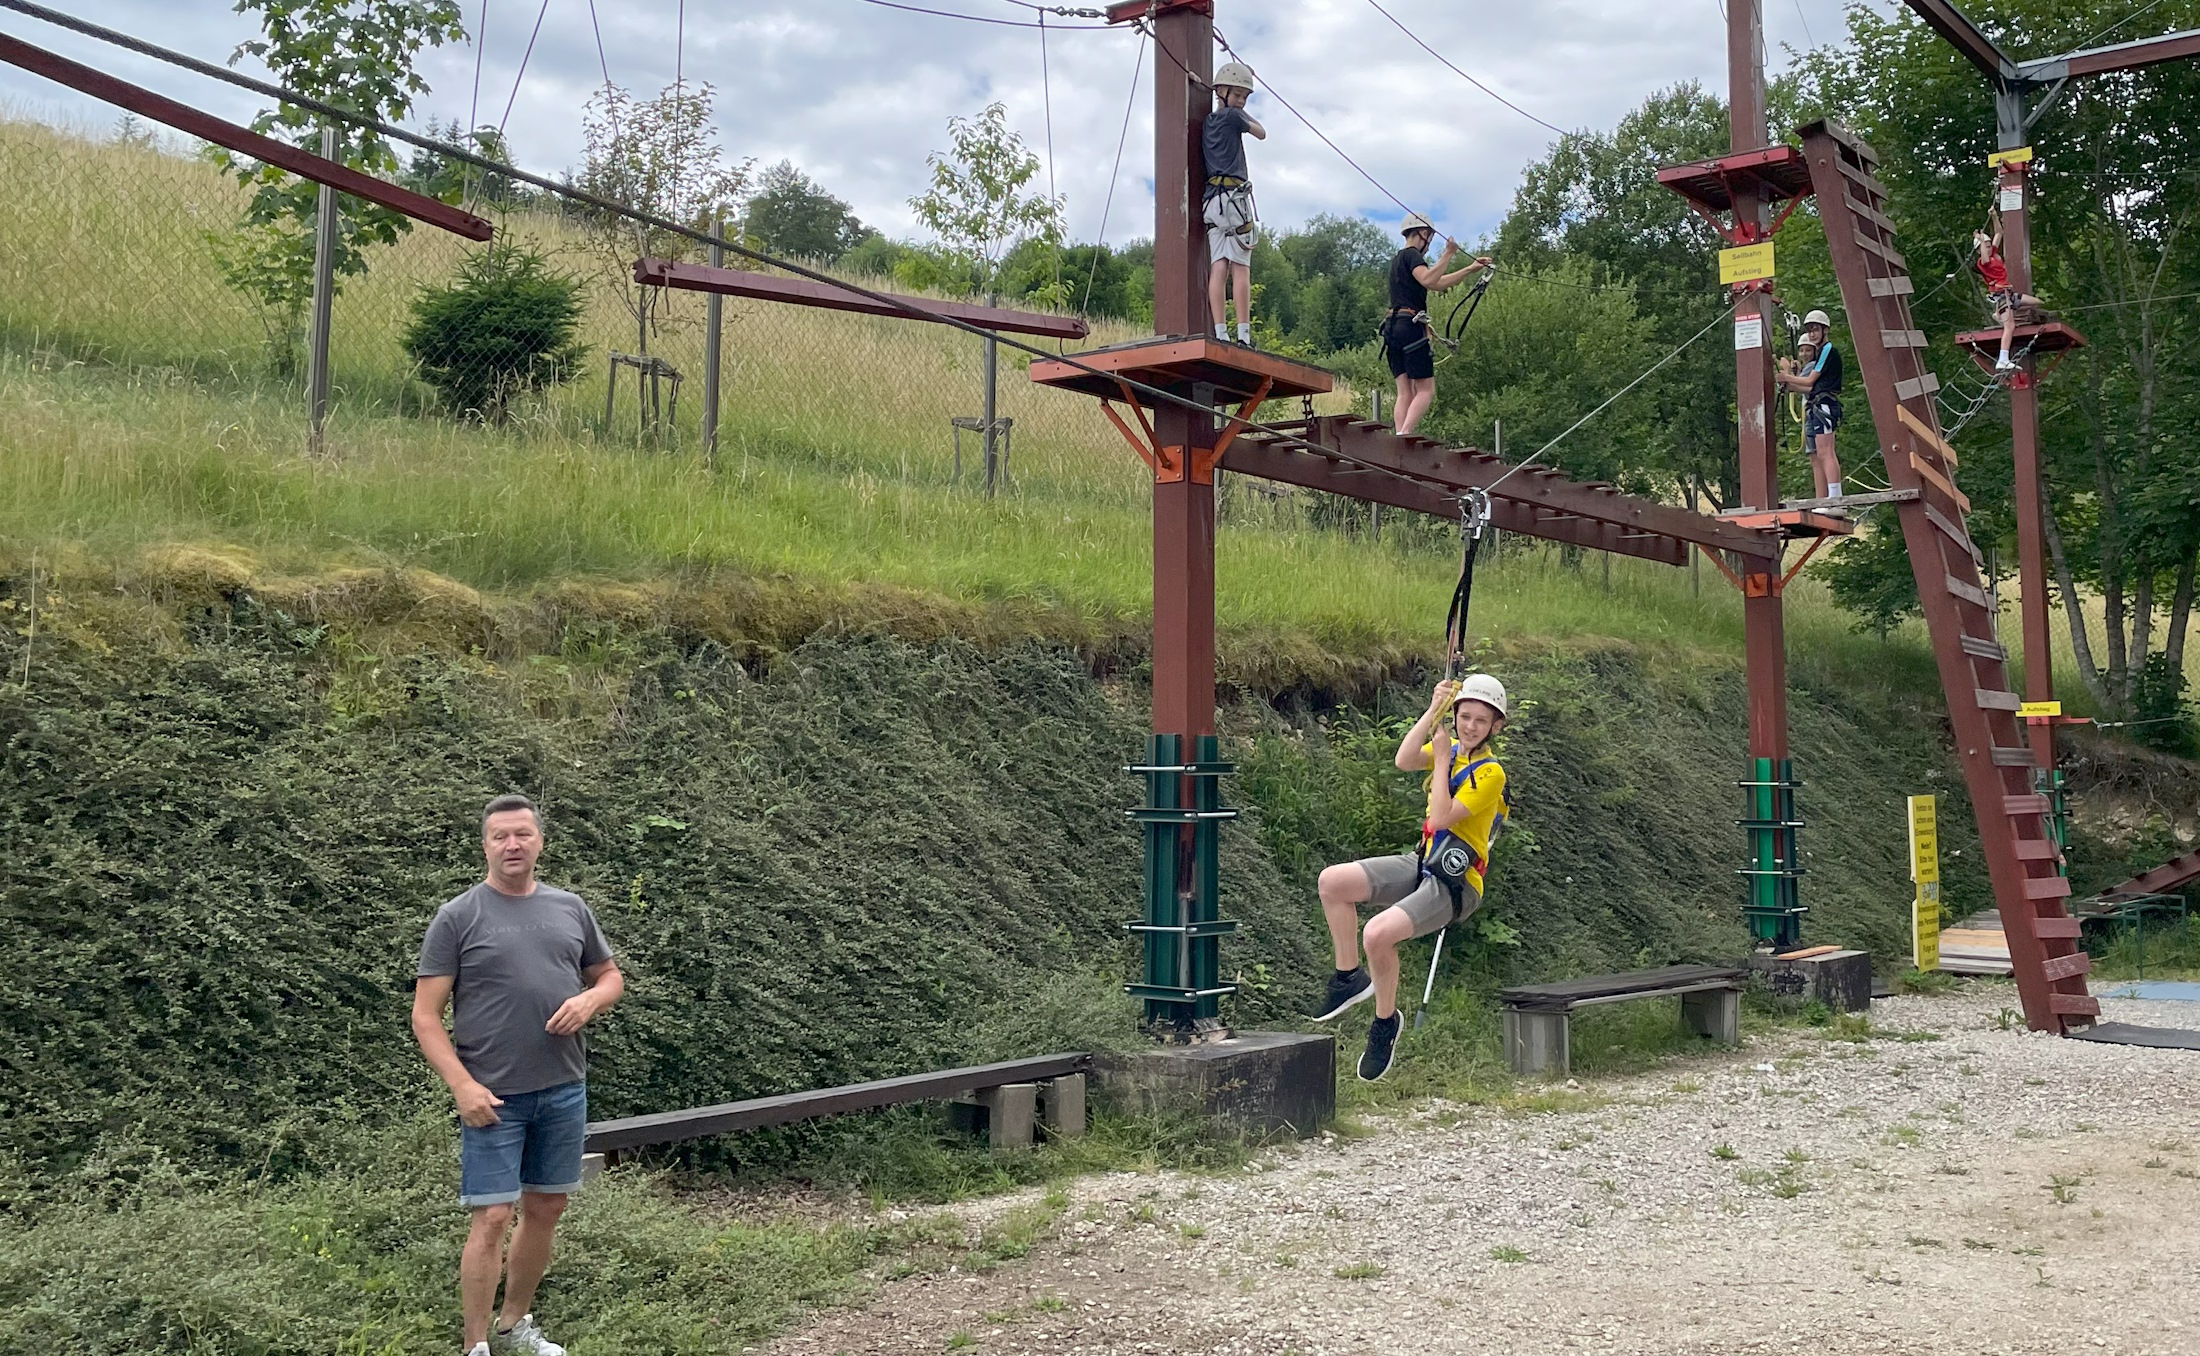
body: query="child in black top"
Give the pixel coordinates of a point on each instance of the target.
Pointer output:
(1227, 201)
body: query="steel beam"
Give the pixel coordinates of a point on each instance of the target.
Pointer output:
(1293, 466)
(243, 140)
(1377, 447)
(1963, 35)
(2122, 56)
(733, 282)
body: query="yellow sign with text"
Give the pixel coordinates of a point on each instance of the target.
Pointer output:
(2031, 709)
(1746, 263)
(1925, 870)
(2021, 155)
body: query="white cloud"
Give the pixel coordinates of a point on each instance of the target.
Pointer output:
(858, 94)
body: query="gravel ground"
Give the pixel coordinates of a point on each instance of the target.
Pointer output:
(1987, 1191)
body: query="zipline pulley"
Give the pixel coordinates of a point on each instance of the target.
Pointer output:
(1474, 516)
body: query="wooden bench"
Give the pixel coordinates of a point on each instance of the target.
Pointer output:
(1538, 1016)
(1014, 1095)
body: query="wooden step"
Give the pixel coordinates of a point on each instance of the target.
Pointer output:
(2047, 887)
(1979, 647)
(2073, 1005)
(1955, 534)
(2035, 850)
(1971, 594)
(2014, 758)
(1990, 700)
(1890, 287)
(1925, 383)
(1933, 476)
(1881, 248)
(2067, 967)
(2045, 928)
(2018, 806)
(1903, 339)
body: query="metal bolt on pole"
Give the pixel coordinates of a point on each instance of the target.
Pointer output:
(324, 287)
(714, 314)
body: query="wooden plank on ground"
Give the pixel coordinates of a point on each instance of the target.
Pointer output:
(670, 1127)
(1589, 988)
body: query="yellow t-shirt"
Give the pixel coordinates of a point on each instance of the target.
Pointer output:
(1479, 785)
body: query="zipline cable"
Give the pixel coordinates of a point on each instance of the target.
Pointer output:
(1446, 61)
(1138, 66)
(524, 57)
(978, 18)
(1054, 198)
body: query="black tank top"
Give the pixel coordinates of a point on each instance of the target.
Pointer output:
(1406, 291)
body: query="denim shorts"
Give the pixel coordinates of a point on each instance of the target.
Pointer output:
(534, 1146)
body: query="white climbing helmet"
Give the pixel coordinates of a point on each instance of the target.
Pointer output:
(1416, 222)
(1480, 687)
(1234, 75)
(1818, 318)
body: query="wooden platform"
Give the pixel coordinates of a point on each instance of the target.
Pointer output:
(1779, 171)
(1537, 1017)
(1791, 522)
(1984, 346)
(1177, 364)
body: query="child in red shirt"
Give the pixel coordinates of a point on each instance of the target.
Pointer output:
(2004, 299)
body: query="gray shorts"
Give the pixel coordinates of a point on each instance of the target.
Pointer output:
(1397, 882)
(1230, 227)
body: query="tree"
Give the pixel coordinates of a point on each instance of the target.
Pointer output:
(454, 181)
(977, 204)
(355, 54)
(791, 214)
(507, 325)
(2115, 210)
(660, 156)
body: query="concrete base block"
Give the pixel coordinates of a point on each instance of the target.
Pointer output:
(592, 1166)
(1538, 1042)
(1062, 1106)
(1715, 1015)
(1842, 980)
(1256, 1081)
(1007, 1114)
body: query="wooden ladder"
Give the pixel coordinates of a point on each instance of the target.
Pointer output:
(1998, 764)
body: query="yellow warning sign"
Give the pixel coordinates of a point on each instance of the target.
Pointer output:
(2021, 155)
(1746, 263)
(1925, 871)
(2030, 709)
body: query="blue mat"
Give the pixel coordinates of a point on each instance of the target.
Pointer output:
(2161, 990)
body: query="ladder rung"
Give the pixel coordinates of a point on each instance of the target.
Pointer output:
(1969, 593)
(2035, 850)
(1991, 700)
(2019, 757)
(2067, 967)
(1911, 389)
(2045, 928)
(2018, 806)
(2073, 1005)
(1954, 534)
(1978, 647)
(1891, 287)
(2047, 887)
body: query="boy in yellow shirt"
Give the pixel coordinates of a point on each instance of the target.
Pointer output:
(1420, 892)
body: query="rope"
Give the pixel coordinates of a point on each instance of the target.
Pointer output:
(1684, 346)
(1138, 65)
(1046, 90)
(473, 109)
(976, 18)
(1462, 74)
(1474, 515)
(522, 69)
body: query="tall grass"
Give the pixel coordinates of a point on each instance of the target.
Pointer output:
(138, 408)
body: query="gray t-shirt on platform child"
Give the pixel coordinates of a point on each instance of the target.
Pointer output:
(515, 959)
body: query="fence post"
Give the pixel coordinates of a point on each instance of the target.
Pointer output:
(714, 313)
(992, 378)
(324, 287)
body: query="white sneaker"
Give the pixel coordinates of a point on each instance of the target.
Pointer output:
(525, 1339)
(478, 1349)
(2002, 364)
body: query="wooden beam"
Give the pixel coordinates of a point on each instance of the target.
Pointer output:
(671, 1127)
(242, 140)
(2122, 56)
(1963, 35)
(732, 282)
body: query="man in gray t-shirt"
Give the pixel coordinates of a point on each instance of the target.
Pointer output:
(523, 967)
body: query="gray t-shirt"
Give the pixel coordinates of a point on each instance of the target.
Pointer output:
(516, 959)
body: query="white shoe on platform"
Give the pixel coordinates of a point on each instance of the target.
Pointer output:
(524, 1339)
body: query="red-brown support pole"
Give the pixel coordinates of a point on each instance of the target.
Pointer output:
(1771, 910)
(1184, 509)
(2024, 432)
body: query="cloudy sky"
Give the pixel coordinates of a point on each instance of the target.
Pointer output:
(858, 94)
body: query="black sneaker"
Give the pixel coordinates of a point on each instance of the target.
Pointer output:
(1382, 1042)
(1346, 987)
